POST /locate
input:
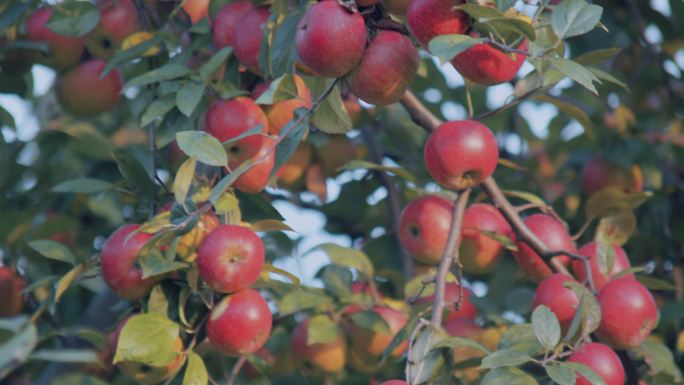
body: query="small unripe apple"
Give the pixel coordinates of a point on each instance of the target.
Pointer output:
(383, 74)
(336, 152)
(598, 174)
(467, 311)
(375, 343)
(562, 300)
(64, 52)
(188, 243)
(281, 113)
(224, 25)
(230, 258)
(424, 228)
(119, 263)
(11, 286)
(249, 32)
(82, 92)
(397, 7)
(196, 9)
(118, 20)
(461, 154)
(554, 235)
(327, 357)
(240, 324)
(330, 39)
(480, 254)
(602, 360)
(620, 263)
(628, 313)
(485, 64)
(428, 19)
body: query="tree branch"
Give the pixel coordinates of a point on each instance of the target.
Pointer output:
(236, 370)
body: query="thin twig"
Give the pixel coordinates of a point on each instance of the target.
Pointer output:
(236, 370)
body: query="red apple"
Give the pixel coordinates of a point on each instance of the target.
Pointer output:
(628, 313)
(479, 253)
(424, 228)
(223, 27)
(620, 263)
(281, 113)
(11, 287)
(119, 263)
(375, 343)
(554, 235)
(602, 360)
(63, 52)
(230, 258)
(227, 119)
(468, 311)
(82, 92)
(249, 32)
(118, 20)
(256, 178)
(461, 327)
(598, 174)
(196, 9)
(240, 324)
(562, 300)
(461, 154)
(330, 39)
(485, 64)
(389, 64)
(428, 19)
(327, 357)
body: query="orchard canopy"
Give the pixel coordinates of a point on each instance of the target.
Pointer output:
(384, 192)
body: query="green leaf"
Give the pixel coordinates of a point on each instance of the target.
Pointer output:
(256, 130)
(655, 283)
(571, 110)
(195, 371)
(479, 11)
(372, 321)
(506, 357)
(297, 300)
(67, 280)
(613, 200)
(401, 336)
(53, 250)
(321, 330)
(87, 356)
(189, 96)
(228, 181)
(459, 342)
(575, 17)
(507, 376)
(509, 25)
(283, 54)
(659, 358)
(78, 379)
(576, 72)
(11, 14)
(295, 129)
(588, 315)
(148, 338)
(74, 18)
(135, 173)
(207, 69)
(168, 71)
(83, 186)
(422, 359)
(520, 337)
(330, 117)
(91, 141)
(268, 268)
(337, 281)
(446, 47)
(131, 53)
(157, 109)
(598, 56)
(158, 303)
(348, 257)
(15, 350)
(546, 327)
(561, 374)
(154, 264)
(586, 371)
(282, 88)
(603, 75)
(183, 180)
(203, 146)
(364, 165)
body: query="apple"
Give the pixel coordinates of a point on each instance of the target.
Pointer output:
(468, 311)
(428, 19)
(11, 287)
(562, 300)
(240, 323)
(225, 21)
(249, 32)
(465, 328)
(554, 235)
(485, 64)
(196, 9)
(324, 357)
(230, 258)
(628, 313)
(375, 343)
(281, 113)
(295, 168)
(461, 154)
(119, 263)
(330, 39)
(227, 119)
(397, 7)
(189, 242)
(598, 174)
(64, 52)
(620, 263)
(336, 152)
(480, 254)
(602, 360)
(256, 178)
(118, 20)
(383, 74)
(358, 287)
(353, 107)
(82, 92)
(424, 228)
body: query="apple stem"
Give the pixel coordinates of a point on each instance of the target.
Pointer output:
(236, 370)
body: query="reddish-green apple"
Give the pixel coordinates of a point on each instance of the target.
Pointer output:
(485, 64)
(424, 228)
(240, 323)
(602, 360)
(375, 343)
(82, 92)
(467, 310)
(64, 52)
(562, 300)
(223, 27)
(282, 112)
(598, 174)
(389, 64)
(461, 154)
(479, 253)
(230, 258)
(428, 19)
(330, 39)
(327, 357)
(620, 263)
(11, 286)
(249, 32)
(118, 20)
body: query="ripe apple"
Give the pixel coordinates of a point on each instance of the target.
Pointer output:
(295, 168)
(11, 286)
(628, 313)
(602, 360)
(256, 178)
(230, 258)
(281, 113)
(620, 263)
(336, 152)
(324, 357)
(480, 254)
(428, 19)
(389, 64)
(397, 7)
(240, 324)
(118, 20)
(485, 64)
(554, 235)
(82, 92)
(562, 300)
(461, 154)
(63, 52)
(375, 343)
(189, 242)
(196, 9)
(225, 21)
(249, 32)
(330, 39)
(598, 174)
(118, 261)
(468, 311)
(424, 228)
(227, 119)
